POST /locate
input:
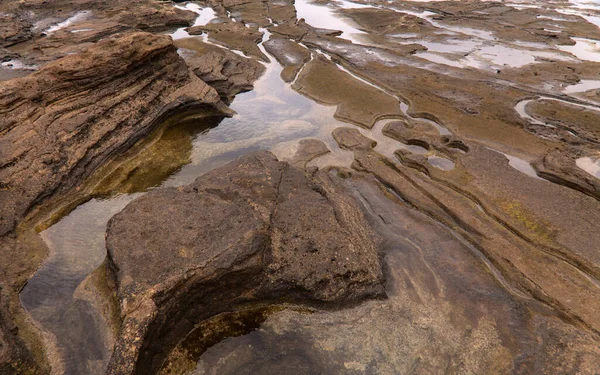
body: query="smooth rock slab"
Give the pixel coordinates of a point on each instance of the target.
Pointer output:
(256, 231)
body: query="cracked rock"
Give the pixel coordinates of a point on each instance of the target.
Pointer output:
(256, 231)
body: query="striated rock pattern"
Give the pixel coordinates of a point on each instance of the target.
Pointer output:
(25, 20)
(528, 248)
(59, 125)
(256, 231)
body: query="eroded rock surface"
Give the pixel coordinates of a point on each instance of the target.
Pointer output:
(225, 71)
(39, 32)
(61, 124)
(471, 282)
(357, 102)
(289, 54)
(490, 268)
(256, 231)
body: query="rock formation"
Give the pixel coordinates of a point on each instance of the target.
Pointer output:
(254, 232)
(62, 123)
(225, 71)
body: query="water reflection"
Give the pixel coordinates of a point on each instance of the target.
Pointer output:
(76, 246)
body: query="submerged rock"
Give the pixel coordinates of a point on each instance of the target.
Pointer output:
(308, 149)
(256, 231)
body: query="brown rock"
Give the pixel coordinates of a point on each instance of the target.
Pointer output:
(59, 125)
(63, 122)
(234, 35)
(358, 102)
(351, 139)
(559, 166)
(308, 149)
(256, 231)
(289, 54)
(225, 71)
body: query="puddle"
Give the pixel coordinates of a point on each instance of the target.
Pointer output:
(513, 57)
(480, 54)
(352, 5)
(584, 49)
(553, 18)
(269, 115)
(80, 30)
(522, 166)
(205, 15)
(272, 116)
(441, 163)
(450, 45)
(325, 17)
(521, 110)
(590, 165)
(77, 248)
(583, 86)
(439, 59)
(582, 9)
(18, 64)
(78, 17)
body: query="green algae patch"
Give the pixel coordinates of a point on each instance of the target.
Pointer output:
(528, 221)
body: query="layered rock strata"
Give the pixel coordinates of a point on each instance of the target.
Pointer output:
(62, 123)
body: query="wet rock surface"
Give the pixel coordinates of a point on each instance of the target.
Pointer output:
(32, 26)
(357, 102)
(432, 321)
(308, 150)
(437, 238)
(289, 54)
(63, 123)
(256, 231)
(233, 35)
(226, 72)
(465, 132)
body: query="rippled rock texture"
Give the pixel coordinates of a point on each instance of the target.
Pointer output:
(59, 125)
(484, 187)
(43, 31)
(256, 231)
(471, 283)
